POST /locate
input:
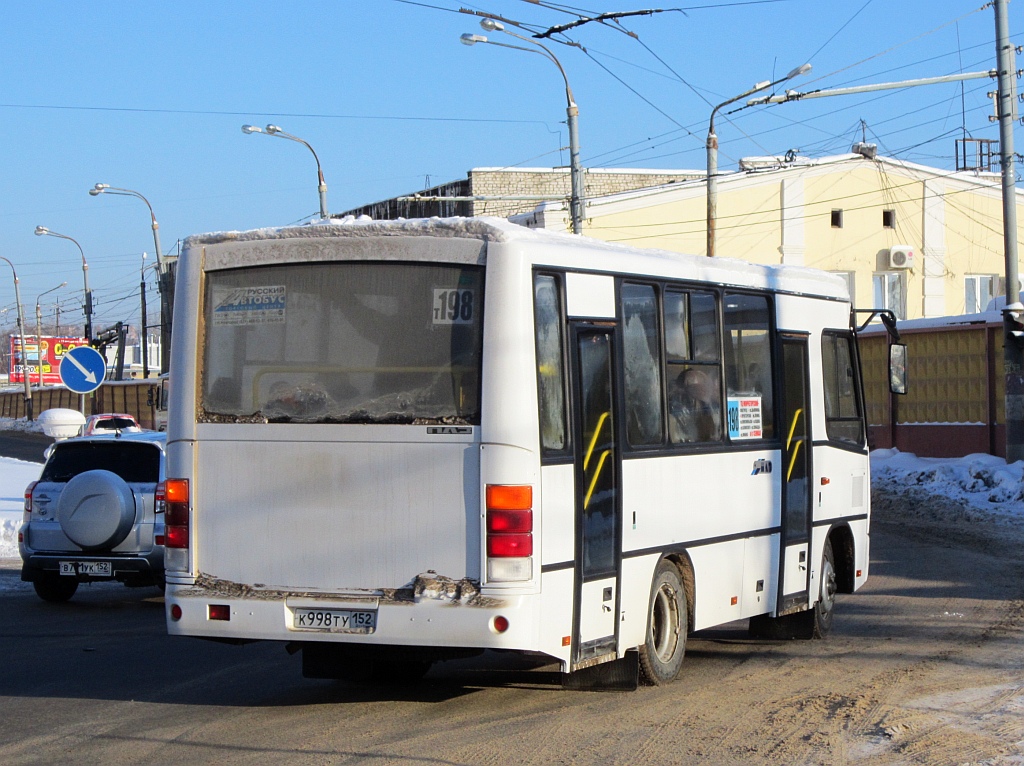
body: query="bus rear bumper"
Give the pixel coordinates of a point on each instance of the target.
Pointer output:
(505, 623)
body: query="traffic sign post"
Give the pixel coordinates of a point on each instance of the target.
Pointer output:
(82, 370)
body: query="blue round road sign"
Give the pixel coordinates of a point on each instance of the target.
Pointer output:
(82, 369)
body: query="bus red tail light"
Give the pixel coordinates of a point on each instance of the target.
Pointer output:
(503, 546)
(509, 532)
(173, 496)
(509, 521)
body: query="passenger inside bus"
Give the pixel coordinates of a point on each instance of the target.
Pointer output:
(695, 406)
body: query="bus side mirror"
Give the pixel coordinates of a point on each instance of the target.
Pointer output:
(898, 368)
(149, 397)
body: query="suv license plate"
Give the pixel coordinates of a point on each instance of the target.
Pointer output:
(94, 568)
(335, 620)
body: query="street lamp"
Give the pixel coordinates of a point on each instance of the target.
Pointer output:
(166, 280)
(21, 333)
(577, 202)
(40, 231)
(712, 148)
(108, 189)
(39, 330)
(274, 130)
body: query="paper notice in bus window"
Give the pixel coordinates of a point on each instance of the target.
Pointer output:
(233, 306)
(454, 306)
(744, 415)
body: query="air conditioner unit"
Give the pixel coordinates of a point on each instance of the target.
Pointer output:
(901, 257)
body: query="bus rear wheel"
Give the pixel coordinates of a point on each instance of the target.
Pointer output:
(661, 655)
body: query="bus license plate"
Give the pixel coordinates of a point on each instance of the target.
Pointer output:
(94, 568)
(335, 620)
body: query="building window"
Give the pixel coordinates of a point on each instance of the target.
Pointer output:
(837, 219)
(888, 219)
(979, 289)
(850, 278)
(890, 292)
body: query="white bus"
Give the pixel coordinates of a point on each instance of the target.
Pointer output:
(398, 442)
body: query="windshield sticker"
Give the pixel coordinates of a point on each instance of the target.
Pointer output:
(454, 306)
(234, 306)
(744, 415)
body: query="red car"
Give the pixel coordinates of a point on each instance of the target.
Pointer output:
(110, 421)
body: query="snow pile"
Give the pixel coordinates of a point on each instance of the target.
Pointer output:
(981, 482)
(15, 475)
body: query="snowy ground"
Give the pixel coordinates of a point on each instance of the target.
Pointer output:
(983, 484)
(15, 475)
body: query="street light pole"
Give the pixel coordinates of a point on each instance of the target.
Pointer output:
(40, 231)
(166, 280)
(577, 200)
(274, 130)
(21, 333)
(39, 330)
(712, 151)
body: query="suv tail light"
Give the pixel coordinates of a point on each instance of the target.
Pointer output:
(172, 496)
(28, 498)
(509, 532)
(28, 511)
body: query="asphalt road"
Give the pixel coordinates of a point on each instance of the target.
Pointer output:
(924, 666)
(23, 446)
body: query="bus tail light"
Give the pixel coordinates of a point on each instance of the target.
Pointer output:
(509, 533)
(172, 496)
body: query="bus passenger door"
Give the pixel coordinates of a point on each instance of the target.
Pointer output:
(796, 465)
(595, 626)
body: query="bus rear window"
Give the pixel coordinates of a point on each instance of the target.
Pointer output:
(356, 342)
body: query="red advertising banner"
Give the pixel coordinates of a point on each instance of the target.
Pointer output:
(45, 352)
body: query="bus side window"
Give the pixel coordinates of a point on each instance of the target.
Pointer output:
(547, 308)
(843, 417)
(692, 367)
(642, 362)
(749, 360)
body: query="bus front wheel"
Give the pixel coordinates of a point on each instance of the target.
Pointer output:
(661, 655)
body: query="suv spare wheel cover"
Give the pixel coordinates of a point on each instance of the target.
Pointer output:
(96, 509)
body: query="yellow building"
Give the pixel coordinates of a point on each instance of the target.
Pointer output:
(922, 241)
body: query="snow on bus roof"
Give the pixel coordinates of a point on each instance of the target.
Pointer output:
(727, 271)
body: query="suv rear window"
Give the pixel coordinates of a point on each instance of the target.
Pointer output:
(135, 463)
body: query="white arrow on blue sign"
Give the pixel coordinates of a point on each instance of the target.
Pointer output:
(82, 369)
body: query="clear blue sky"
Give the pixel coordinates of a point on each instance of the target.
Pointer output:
(151, 97)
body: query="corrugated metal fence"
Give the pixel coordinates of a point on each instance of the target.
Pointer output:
(135, 397)
(955, 400)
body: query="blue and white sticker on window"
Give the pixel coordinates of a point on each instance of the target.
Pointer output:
(235, 306)
(744, 417)
(454, 306)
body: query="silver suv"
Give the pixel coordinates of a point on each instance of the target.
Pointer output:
(92, 516)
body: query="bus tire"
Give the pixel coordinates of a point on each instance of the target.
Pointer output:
(661, 654)
(825, 609)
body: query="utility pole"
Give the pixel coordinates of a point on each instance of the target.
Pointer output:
(1013, 313)
(145, 327)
